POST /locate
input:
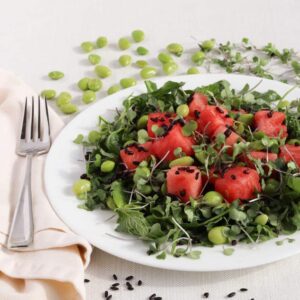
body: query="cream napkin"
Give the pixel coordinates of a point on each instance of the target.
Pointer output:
(53, 267)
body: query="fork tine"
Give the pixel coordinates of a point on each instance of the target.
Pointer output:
(23, 131)
(32, 118)
(47, 116)
(39, 118)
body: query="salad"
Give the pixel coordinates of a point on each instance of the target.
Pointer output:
(206, 167)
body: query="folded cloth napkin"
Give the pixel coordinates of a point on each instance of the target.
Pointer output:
(53, 266)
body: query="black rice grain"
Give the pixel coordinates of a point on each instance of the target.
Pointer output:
(243, 290)
(129, 277)
(140, 282)
(86, 280)
(206, 295)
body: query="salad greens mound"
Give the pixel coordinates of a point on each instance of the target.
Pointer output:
(246, 155)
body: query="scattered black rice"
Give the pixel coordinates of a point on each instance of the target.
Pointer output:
(157, 298)
(114, 288)
(140, 282)
(129, 277)
(106, 294)
(243, 290)
(206, 295)
(86, 280)
(233, 242)
(109, 297)
(230, 295)
(152, 296)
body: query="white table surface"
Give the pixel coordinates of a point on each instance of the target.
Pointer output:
(39, 36)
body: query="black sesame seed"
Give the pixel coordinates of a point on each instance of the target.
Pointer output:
(227, 132)
(243, 290)
(182, 193)
(116, 284)
(221, 111)
(197, 175)
(154, 119)
(114, 288)
(206, 295)
(233, 177)
(247, 171)
(177, 172)
(129, 277)
(106, 294)
(140, 282)
(84, 176)
(152, 296)
(197, 114)
(115, 277)
(270, 114)
(86, 280)
(109, 297)
(234, 242)
(230, 295)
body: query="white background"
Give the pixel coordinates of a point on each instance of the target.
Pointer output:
(39, 36)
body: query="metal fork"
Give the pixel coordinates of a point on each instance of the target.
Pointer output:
(34, 140)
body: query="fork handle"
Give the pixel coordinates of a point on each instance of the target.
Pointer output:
(21, 231)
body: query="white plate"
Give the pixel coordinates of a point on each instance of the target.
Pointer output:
(64, 165)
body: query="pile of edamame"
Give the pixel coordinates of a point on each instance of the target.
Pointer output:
(90, 86)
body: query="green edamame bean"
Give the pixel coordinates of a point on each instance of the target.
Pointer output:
(208, 45)
(182, 161)
(142, 122)
(55, 75)
(88, 97)
(198, 58)
(145, 189)
(212, 198)
(138, 35)
(127, 82)
(94, 136)
(164, 58)
(107, 166)
(48, 94)
(68, 108)
(113, 89)
(124, 43)
(87, 46)
(170, 68)
(246, 119)
(192, 70)
(83, 83)
(141, 63)
(94, 84)
(262, 219)
(175, 49)
(125, 60)
(142, 51)
(63, 98)
(102, 71)
(94, 59)
(148, 72)
(217, 235)
(183, 110)
(81, 186)
(101, 42)
(239, 128)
